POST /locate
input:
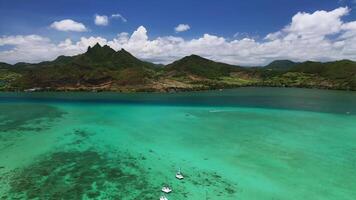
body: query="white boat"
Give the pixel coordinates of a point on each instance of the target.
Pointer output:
(32, 89)
(163, 197)
(166, 189)
(179, 175)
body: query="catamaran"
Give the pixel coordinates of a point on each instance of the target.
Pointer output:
(163, 197)
(179, 175)
(166, 189)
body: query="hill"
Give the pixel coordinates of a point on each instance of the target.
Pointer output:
(99, 67)
(199, 66)
(102, 68)
(341, 73)
(283, 65)
(4, 65)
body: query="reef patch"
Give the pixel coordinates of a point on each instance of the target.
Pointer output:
(82, 174)
(27, 117)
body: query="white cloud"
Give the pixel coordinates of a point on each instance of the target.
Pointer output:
(317, 24)
(22, 40)
(35, 48)
(320, 36)
(119, 16)
(68, 25)
(182, 28)
(101, 20)
(26, 48)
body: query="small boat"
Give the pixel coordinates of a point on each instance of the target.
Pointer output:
(179, 175)
(163, 197)
(166, 189)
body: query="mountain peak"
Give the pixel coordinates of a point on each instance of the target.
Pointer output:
(97, 45)
(194, 56)
(98, 49)
(123, 50)
(125, 53)
(281, 65)
(201, 66)
(105, 56)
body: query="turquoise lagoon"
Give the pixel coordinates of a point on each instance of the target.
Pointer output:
(248, 143)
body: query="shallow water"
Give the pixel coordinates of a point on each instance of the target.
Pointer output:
(249, 143)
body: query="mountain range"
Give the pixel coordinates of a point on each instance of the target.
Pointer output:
(101, 68)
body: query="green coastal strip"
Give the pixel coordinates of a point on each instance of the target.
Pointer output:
(104, 69)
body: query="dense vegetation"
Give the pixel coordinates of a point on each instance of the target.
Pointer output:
(199, 66)
(102, 68)
(281, 65)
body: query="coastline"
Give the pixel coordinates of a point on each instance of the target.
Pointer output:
(166, 90)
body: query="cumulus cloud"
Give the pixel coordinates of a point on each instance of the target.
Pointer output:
(68, 25)
(320, 36)
(101, 20)
(317, 24)
(119, 16)
(35, 48)
(182, 28)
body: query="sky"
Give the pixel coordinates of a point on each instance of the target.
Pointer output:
(248, 33)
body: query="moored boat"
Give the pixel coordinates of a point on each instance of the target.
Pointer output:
(163, 197)
(179, 175)
(166, 189)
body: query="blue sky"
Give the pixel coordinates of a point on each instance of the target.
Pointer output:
(229, 19)
(223, 17)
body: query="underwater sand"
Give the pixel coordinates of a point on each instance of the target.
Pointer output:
(248, 143)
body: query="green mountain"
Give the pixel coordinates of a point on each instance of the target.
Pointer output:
(282, 65)
(98, 67)
(98, 56)
(199, 66)
(334, 70)
(4, 65)
(106, 57)
(102, 68)
(342, 73)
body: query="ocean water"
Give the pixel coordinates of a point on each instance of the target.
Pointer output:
(248, 143)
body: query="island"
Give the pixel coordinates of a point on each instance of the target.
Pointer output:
(101, 68)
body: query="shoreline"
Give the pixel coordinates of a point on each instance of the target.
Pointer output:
(166, 90)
